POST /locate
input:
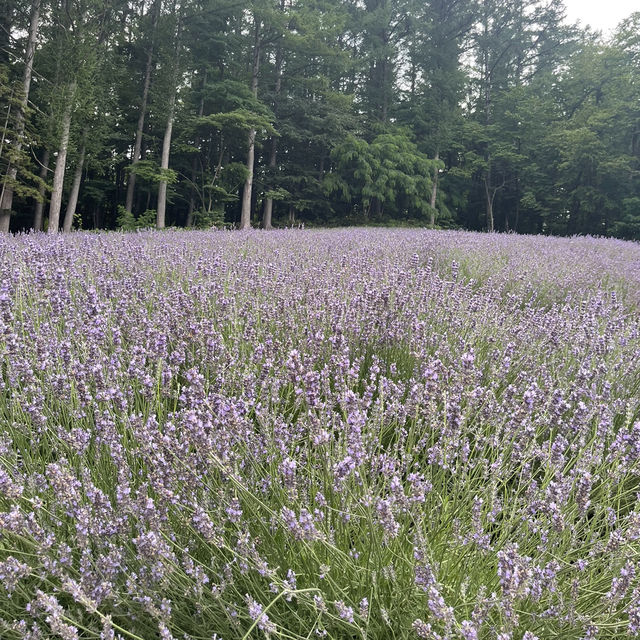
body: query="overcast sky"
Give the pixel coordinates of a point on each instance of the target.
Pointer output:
(600, 14)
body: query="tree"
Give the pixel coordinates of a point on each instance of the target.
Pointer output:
(168, 132)
(436, 81)
(267, 214)
(75, 187)
(245, 213)
(390, 171)
(142, 112)
(38, 212)
(513, 43)
(9, 183)
(486, 114)
(61, 159)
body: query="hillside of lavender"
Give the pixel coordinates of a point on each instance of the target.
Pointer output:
(344, 434)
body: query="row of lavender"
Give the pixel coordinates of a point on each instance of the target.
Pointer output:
(346, 434)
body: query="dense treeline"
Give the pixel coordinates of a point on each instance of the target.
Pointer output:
(486, 114)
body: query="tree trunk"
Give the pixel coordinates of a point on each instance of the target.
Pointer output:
(434, 191)
(97, 217)
(166, 142)
(75, 190)
(6, 198)
(489, 201)
(164, 164)
(385, 83)
(131, 183)
(375, 208)
(39, 208)
(192, 200)
(267, 213)
(61, 161)
(245, 214)
(194, 164)
(486, 81)
(273, 155)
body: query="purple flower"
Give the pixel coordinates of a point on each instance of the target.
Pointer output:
(344, 612)
(256, 614)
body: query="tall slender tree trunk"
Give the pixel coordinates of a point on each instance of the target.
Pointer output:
(375, 208)
(166, 142)
(38, 211)
(97, 217)
(75, 191)
(6, 197)
(517, 215)
(137, 147)
(490, 196)
(490, 192)
(192, 207)
(245, 213)
(385, 84)
(434, 191)
(194, 164)
(267, 213)
(192, 199)
(61, 161)
(164, 164)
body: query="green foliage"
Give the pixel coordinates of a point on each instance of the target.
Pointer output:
(278, 195)
(530, 117)
(237, 121)
(390, 170)
(151, 173)
(628, 226)
(126, 221)
(213, 218)
(26, 183)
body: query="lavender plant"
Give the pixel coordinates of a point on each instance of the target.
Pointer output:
(346, 434)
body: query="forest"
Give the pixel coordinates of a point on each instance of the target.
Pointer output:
(492, 115)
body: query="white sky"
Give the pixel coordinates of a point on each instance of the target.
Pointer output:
(603, 15)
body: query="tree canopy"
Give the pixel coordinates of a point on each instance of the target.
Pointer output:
(483, 114)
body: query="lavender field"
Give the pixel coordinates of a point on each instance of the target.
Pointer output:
(303, 434)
